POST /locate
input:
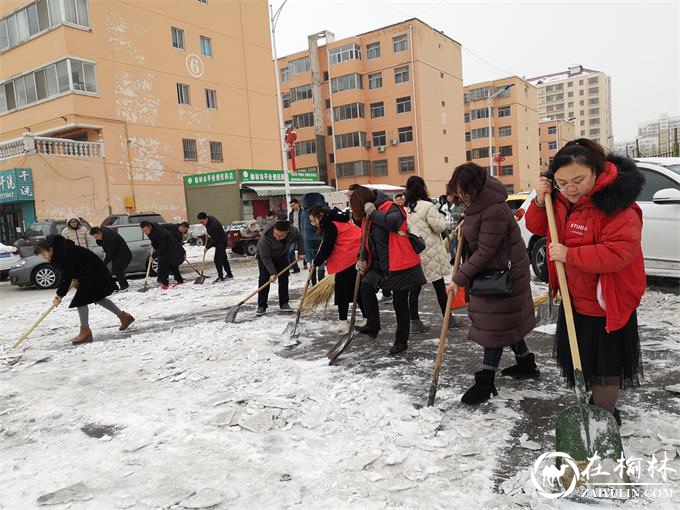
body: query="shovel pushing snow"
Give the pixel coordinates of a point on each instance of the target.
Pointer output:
(292, 328)
(146, 278)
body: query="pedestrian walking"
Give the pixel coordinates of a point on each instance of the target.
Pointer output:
(89, 275)
(169, 252)
(494, 249)
(295, 217)
(600, 228)
(116, 252)
(218, 240)
(78, 233)
(341, 241)
(392, 263)
(273, 255)
(425, 220)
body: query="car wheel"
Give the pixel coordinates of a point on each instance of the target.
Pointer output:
(154, 267)
(538, 260)
(251, 249)
(44, 277)
(238, 249)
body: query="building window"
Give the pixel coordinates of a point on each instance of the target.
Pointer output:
(286, 100)
(592, 81)
(503, 111)
(593, 90)
(299, 66)
(211, 99)
(480, 133)
(344, 53)
(582, 133)
(552, 130)
(481, 152)
(204, 2)
(570, 104)
(329, 130)
(303, 120)
(380, 168)
(328, 103)
(580, 82)
(480, 113)
(593, 111)
(405, 134)
(594, 100)
(377, 110)
(401, 74)
(183, 94)
(348, 111)
(466, 117)
(375, 81)
(300, 93)
(346, 82)
(446, 159)
(552, 146)
(467, 136)
(505, 131)
(348, 140)
(570, 93)
(594, 131)
(505, 150)
(305, 147)
(570, 84)
(216, 152)
(403, 104)
(189, 147)
(594, 122)
(379, 139)
(582, 123)
(580, 92)
(400, 43)
(206, 46)
(407, 164)
(177, 38)
(506, 170)
(353, 169)
(443, 131)
(372, 51)
(284, 75)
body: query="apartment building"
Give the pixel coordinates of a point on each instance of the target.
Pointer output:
(510, 132)
(377, 107)
(552, 136)
(581, 94)
(110, 104)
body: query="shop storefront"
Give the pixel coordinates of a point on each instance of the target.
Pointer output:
(17, 207)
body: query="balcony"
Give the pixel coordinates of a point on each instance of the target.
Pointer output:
(30, 144)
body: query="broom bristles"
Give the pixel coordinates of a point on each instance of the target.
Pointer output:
(541, 299)
(319, 294)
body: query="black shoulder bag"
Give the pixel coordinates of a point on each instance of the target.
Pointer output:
(493, 282)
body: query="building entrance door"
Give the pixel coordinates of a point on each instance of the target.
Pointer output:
(10, 220)
(260, 208)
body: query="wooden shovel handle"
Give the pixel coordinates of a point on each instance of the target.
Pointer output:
(33, 326)
(285, 269)
(564, 289)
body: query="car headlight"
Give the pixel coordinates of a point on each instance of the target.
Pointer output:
(19, 264)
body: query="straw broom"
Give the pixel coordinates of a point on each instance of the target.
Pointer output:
(541, 299)
(319, 294)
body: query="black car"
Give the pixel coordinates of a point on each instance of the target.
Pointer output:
(137, 218)
(39, 231)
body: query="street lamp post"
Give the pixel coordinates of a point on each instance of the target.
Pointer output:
(273, 18)
(488, 107)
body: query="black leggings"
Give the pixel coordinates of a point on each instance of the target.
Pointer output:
(401, 310)
(413, 295)
(221, 260)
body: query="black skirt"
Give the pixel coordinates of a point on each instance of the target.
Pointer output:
(606, 358)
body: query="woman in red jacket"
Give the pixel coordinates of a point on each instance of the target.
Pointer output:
(339, 249)
(599, 227)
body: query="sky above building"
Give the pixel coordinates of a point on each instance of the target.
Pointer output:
(636, 43)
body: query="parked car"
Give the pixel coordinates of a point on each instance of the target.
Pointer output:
(242, 237)
(137, 218)
(35, 271)
(660, 204)
(197, 235)
(39, 231)
(9, 255)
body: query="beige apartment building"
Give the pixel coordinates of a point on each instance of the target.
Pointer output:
(580, 94)
(513, 138)
(377, 107)
(106, 105)
(553, 135)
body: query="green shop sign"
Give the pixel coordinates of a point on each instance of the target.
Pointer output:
(210, 178)
(16, 185)
(276, 176)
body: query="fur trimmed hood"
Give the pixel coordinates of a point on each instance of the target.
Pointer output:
(618, 186)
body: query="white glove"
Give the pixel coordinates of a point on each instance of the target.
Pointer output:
(369, 209)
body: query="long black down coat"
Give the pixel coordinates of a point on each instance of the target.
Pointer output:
(166, 245)
(116, 249)
(77, 263)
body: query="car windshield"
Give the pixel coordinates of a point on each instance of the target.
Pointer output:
(38, 229)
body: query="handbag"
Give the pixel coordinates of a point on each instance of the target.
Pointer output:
(416, 242)
(495, 282)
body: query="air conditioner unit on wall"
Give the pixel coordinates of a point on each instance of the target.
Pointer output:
(381, 148)
(394, 141)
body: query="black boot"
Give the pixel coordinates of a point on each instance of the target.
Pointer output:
(367, 330)
(524, 369)
(399, 346)
(483, 388)
(616, 413)
(417, 326)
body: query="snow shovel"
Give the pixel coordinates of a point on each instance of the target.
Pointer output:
(201, 277)
(344, 343)
(33, 326)
(146, 278)
(231, 314)
(291, 328)
(445, 325)
(582, 430)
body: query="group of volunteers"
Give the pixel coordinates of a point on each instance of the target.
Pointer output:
(398, 246)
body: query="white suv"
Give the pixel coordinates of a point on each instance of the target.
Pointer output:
(660, 204)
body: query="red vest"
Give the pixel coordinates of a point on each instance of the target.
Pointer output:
(346, 247)
(401, 254)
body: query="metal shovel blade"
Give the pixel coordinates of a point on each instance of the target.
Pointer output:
(200, 280)
(144, 289)
(231, 314)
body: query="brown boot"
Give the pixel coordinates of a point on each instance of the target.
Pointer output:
(125, 320)
(84, 337)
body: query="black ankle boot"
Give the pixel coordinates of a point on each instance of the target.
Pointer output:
(483, 388)
(367, 330)
(399, 347)
(524, 369)
(616, 413)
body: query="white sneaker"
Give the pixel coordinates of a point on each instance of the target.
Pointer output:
(360, 323)
(342, 327)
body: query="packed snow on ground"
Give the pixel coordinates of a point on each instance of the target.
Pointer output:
(186, 411)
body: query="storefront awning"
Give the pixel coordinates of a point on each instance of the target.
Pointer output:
(295, 189)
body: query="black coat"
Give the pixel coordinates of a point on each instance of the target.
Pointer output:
(215, 231)
(77, 263)
(173, 228)
(116, 249)
(166, 246)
